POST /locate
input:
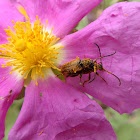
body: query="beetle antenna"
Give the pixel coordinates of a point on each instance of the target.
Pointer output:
(109, 54)
(99, 52)
(105, 56)
(113, 75)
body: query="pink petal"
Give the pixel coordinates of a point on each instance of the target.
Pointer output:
(55, 111)
(61, 14)
(8, 12)
(117, 29)
(10, 87)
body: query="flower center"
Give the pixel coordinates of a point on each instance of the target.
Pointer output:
(30, 49)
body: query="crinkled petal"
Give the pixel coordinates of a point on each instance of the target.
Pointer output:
(8, 12)
(117, 29)
(55, 111)
(63, 15)
(10, 87)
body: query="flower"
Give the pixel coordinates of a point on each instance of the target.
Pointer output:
(53, 109)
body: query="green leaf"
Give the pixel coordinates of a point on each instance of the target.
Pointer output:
(83, 23)
(11, 116)
(126, 126)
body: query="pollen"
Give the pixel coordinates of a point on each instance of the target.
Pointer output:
(31, 50)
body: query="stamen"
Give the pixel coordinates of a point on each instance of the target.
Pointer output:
(30, 48)
(22, 11)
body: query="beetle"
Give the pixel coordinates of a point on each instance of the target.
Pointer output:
(85, 66)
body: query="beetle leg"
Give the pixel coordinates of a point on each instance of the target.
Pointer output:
(101, 77)
(68, 75)
(93, 77)
(80, 77)
(87, 80)
(59, 74)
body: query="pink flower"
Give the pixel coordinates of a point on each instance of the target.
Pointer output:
(56, 110)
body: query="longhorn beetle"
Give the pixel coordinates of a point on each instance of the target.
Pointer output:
(85, 66)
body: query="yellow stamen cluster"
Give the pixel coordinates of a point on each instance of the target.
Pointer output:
(30, 49)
